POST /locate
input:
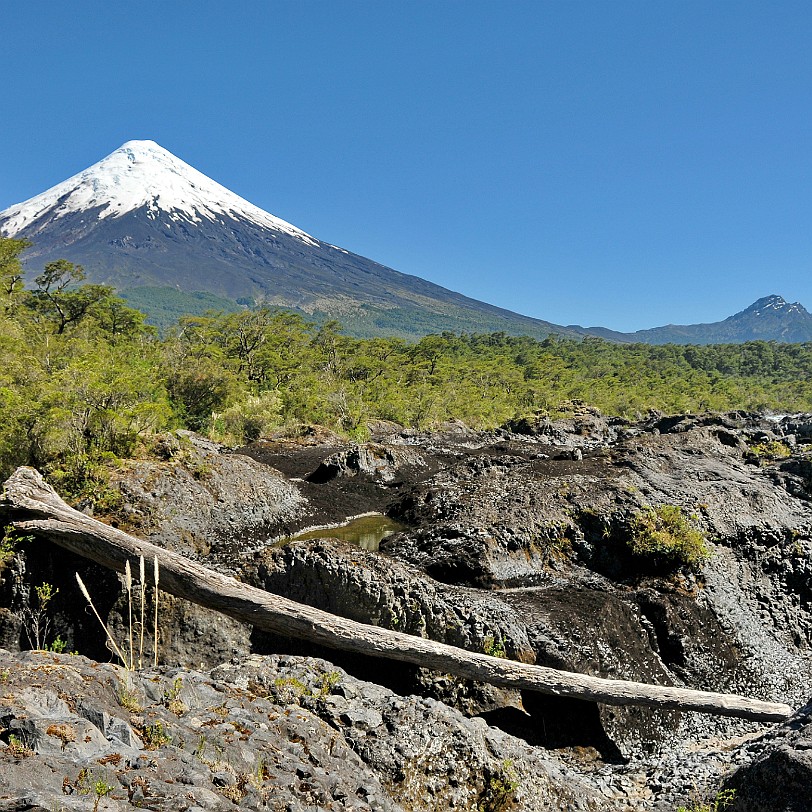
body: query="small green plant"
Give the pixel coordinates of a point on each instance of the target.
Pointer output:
(173, 693)
(100, 789)
(8, 544)
(771, 450)
(172, 700)
(155, 736)
(201, 471)
(37, 623)
(291, 688)
(7, 551)
(128, 699)
(665, 533)
(328, 681)
(17, 748)
(200, 750)
(494, 647)
(88, 784)
(261, 772)
(58, 646)
(5, 674)
(500, 787)
(721, 802)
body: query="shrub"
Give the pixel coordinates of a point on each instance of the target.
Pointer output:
(772, 450)
(156, 736)
(665, 535)
(248, 420)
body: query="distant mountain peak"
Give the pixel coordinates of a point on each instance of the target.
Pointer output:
(772, 305)
(140, 175)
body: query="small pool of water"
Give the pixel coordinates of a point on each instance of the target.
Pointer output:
(366, 531)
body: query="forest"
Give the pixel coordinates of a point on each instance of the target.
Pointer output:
(85, 382)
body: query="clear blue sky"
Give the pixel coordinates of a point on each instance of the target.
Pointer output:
(624, 163)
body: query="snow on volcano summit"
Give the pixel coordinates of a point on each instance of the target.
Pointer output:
(141, 174)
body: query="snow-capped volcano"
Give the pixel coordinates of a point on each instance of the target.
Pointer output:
(155, 228)
(140, 174)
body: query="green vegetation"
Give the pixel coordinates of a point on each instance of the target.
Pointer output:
(84, 382)
(17, 748)
(172, 700)
(156, 736)
(58, 646)
(664, 534)
(164, 306)
(500, 787)
(291, 689)
(128, 699)
(87, 784)
(772, 450)
(494, 647)
(8, 544)
(721, 802)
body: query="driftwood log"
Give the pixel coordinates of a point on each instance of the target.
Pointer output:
(36, 507)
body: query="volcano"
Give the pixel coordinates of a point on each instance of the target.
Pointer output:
(153, 227)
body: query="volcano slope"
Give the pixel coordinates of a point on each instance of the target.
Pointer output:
(522, 543)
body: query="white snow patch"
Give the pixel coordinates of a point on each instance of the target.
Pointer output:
(138, 174)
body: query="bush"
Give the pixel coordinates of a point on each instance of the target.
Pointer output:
(248, 420)
(772, 450)
(665, 535)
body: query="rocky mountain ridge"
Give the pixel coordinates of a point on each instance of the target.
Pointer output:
(770, 318)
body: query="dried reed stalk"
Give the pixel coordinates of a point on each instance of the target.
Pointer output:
(115, 648)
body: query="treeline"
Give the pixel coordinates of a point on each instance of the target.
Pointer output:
(83, 379)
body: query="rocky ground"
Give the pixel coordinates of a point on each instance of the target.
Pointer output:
(516, 544)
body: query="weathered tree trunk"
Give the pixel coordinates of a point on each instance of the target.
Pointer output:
(36, 507)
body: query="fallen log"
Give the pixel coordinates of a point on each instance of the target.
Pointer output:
(36, 507)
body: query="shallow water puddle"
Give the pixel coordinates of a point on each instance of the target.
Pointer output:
(365, 531)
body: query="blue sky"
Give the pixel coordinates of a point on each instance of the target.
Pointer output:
(624, 163)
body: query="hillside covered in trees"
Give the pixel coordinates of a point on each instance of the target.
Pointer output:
(84, 381)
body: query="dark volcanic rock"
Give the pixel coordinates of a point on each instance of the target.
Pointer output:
(551, 534)
(369, 588)
(202, 501)
(517, 545)
(379, 462)
(363, 586)
(779, 779)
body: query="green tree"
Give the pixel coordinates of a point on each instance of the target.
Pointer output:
(11, 269)
(59, 303)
